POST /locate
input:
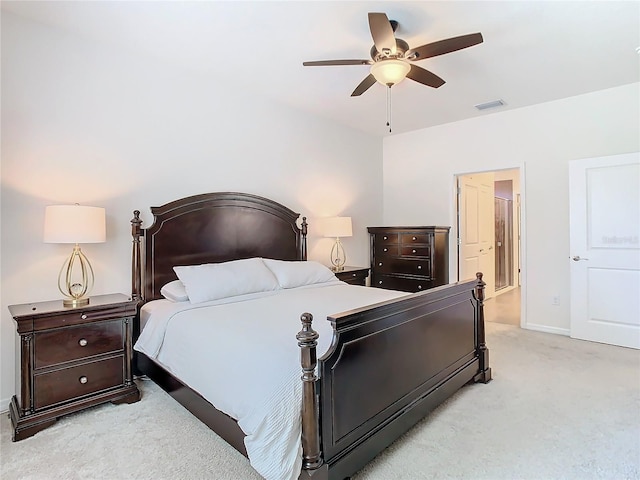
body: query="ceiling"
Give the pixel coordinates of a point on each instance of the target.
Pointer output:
(533, 51)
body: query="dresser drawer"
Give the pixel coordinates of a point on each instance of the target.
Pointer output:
(404, 265)
(409, 238)
(403, 284)
(74, 382)
(74, 343)
(415, 251)
(386, 239)
(386, 250)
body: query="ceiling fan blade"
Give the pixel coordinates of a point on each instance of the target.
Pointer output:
(382, 33)
(364, 85)
(425, 77)
(444, 46)
(324, 63)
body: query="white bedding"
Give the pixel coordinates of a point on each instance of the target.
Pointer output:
(242, 355)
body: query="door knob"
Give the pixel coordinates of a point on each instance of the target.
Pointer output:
(577, 258)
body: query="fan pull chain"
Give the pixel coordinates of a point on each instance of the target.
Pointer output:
(389, 107)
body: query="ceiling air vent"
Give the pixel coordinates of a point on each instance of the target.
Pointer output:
(488, 105)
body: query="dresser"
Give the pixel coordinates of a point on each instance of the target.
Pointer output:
(410, 259)
(71, 359)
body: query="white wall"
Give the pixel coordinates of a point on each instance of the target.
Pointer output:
(419, 168)
(83, 123)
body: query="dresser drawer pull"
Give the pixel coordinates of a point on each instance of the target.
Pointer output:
(83, 316)
(413, 251)
(419, 267)
(414, 239)
(83, 379)
(83, 342)
(385, 249)
(385, 237)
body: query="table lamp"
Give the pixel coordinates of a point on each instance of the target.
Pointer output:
(75, 224)
(338, 227)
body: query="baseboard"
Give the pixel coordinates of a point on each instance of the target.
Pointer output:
(546, 329)
(4, 405)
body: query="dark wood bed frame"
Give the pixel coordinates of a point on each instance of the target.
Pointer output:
(388, 366)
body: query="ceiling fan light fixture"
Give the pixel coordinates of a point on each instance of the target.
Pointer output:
(390, 72)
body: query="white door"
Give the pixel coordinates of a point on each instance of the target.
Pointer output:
(605, 249)
(476, 228)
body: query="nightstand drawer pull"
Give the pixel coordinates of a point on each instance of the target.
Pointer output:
(353, 275)
(380, 282)
(83, 379)
(83, 316)
(419, 287)
(380, 264)
(82, 342)
(385, 237)
(385, 249)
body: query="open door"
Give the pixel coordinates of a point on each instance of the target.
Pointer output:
(476, 228)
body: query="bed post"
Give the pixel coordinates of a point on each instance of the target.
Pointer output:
(484, 374)
(136, 265)
(307, 341)
(303, 228)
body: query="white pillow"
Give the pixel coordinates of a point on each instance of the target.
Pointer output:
(174, 291)
(213, 281)
(297, 274)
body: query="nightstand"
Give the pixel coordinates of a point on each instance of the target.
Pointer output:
(71, 359)
(354, 275)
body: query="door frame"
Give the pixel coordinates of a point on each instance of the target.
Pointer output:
(454, 269)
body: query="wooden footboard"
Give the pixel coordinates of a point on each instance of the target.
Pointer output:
(387, 368)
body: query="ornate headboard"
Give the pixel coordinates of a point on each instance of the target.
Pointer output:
(211, 228)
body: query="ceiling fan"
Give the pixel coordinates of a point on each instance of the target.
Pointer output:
(392, 59)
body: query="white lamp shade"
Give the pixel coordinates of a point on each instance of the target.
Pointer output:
(74, 224)
(390, 71)
(337, 227)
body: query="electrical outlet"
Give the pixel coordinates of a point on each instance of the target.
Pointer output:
(555, 300)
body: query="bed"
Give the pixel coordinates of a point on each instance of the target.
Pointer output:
(384, 367)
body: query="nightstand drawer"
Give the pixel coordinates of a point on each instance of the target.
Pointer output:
(78, 317)
(74, 343)
(75, 382)
(354, 275)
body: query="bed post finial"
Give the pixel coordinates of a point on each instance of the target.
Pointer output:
(484, 375)
(307, 341)
(304, 227)
(136, 265)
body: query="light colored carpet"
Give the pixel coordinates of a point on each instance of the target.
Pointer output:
(557, 409)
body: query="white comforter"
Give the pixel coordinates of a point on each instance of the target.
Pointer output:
(242, 355)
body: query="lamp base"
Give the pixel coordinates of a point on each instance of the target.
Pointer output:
(75, 302)
(337, 269)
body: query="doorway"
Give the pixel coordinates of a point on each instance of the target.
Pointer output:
(489, 239)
